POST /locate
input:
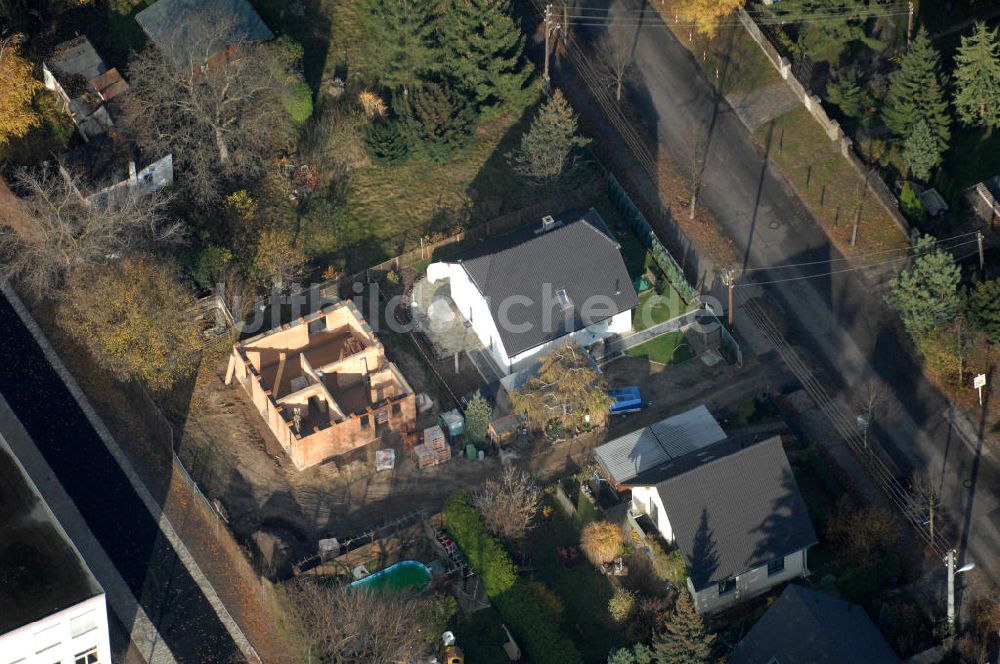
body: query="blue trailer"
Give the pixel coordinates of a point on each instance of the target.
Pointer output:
(626, 400)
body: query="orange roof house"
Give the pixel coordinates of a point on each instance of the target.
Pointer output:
(323, 384)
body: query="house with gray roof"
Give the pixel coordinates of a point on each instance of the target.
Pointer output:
(191, 33)
(809, 627)
(734, 511)
(560, 280)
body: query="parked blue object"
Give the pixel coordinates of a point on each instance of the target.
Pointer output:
(627, 400)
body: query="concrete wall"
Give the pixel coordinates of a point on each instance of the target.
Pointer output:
(61, 636)
(643, 497)
(749, 584)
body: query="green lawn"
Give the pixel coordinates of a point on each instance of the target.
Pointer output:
(655, 308)
(824, 180)
(583, 590)
(670, 348)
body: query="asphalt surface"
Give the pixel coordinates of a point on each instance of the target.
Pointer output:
(110, 506)
(840, 320)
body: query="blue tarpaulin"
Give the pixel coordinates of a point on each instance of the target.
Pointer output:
(627, 400)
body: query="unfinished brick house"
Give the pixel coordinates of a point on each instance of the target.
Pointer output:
(323, 384)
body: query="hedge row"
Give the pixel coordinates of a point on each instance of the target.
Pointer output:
(536, 630)
(485, 554)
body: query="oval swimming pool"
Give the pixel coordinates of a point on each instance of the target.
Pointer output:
(410, 575)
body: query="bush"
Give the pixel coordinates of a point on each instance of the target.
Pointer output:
(207, 264)
(387, 143)
(910, 204)
(860, 584)
(298, 101)
(446, 120)
(621, 605)
(485, 554)
(534, 627)
(670, 566)
(601, 542)
(547, 599)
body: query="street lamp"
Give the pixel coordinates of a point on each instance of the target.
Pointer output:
(950, 561)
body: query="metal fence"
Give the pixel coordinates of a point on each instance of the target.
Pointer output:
(644, 231)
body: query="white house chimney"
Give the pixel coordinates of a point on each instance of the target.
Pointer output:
(132, 178)
(548, 223)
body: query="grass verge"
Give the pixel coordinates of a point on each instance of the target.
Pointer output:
(827, 184)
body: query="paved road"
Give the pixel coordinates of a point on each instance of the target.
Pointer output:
(103, 495)
(841, 320)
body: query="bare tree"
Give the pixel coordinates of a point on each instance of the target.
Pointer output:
(508, 503)
(871, 401)
(344, 626)
(617, 60)
(215, 103)
(58, 226)
(928, 498)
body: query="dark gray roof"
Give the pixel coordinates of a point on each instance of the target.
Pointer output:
(737, 511)
(809, 627)
(630, 459)
(178, 26)
(40, 571)
(578, 255)
(76, 57)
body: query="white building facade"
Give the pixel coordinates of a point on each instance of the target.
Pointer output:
(76, 635)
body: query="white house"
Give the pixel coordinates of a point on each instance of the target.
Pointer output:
(540, 286)
(731, 506)
(51, 607)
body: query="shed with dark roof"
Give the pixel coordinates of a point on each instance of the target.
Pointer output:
(809, 627)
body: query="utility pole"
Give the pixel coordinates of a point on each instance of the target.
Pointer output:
(909, 24)
(982, 258)
(949, 560)
(729, 279)
(551, 27)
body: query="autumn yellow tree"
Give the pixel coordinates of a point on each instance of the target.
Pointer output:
(567, 391)
(133, 317)
(707, 14)
(17, 88)
(278, 260)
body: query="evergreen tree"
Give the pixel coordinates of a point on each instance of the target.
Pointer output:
(920, 151)
(547, 147)
(911, 206)
(917, 93)
(403, 41)
(387, 142)
(484, 49)
(684, 639)
(984, 307)
(927, 295)
(846, 93)
(845, 23)
(477, 418)
(977, 78)
(445, 118)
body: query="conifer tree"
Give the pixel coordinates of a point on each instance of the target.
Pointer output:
(403, 41)
(917, 93)
(977, 78)
(984, 306)
(927, 295)
(445, 118)
(547, 147)
(684, 639)
(846, 92)
(920, 151)
(485, 50)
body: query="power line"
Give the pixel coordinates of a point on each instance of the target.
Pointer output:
(833, 272)
(855, 258)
